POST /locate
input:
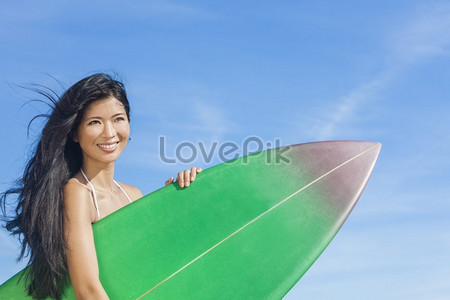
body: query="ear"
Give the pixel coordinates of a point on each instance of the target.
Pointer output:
(74, 136)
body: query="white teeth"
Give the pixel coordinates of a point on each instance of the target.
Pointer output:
(110, 146)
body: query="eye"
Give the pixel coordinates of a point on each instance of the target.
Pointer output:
(94, 122)
(118, 119)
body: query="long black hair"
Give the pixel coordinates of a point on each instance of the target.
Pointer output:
(38, 220)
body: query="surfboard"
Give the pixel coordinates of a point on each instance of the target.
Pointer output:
(245, 229)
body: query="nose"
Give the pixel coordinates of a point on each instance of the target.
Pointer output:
(109, 130)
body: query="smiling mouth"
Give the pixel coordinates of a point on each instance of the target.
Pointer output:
(108, 147)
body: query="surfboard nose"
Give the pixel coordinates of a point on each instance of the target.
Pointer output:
(320, 157)
(345, 146)
(337, 170)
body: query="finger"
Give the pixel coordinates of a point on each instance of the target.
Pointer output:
(187, 177)
(180, 179)
(199, 170)
(193, 173)
(169, 181)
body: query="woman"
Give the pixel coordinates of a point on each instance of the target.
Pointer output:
(68, 184)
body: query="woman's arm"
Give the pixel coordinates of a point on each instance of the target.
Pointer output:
(81, 255)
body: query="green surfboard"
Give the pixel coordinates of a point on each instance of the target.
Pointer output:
(245, 229)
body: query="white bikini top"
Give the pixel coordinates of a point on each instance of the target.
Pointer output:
(95, 196)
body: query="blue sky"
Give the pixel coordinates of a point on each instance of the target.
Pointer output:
(298, 71)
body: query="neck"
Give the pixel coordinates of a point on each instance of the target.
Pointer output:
(100, 176)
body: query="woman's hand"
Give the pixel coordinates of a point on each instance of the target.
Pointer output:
(185, 178)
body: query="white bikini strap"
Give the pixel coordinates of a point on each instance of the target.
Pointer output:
(93, 193)
(126, 195)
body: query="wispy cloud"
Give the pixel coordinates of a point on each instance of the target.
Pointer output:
(22, 22)
(189, 110)
(210, 119)
(157, 10)
(205, 123)
(347, 107)
(188, 113)
(356, 260)
(426, 34)
(163, 7)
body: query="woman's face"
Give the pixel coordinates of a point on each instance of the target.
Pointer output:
(103, 132)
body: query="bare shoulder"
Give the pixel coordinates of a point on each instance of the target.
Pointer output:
(132, 191)
(75, 189)
(77, 200)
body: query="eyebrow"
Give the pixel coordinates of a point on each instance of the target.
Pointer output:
(95, 117)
